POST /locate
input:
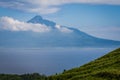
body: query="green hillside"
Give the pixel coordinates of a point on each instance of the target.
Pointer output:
(104, 68)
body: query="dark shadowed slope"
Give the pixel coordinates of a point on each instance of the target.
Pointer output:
(104, 68)
(39, 19)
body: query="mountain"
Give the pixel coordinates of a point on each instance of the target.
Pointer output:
(104, 68)
(55, 36)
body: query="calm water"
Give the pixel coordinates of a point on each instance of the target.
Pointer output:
(46, 60)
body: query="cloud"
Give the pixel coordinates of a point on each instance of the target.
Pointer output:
(48, 6)
(63, 29)
(10, 24)
(7, 23)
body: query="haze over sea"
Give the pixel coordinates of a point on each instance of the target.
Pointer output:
(46, 60)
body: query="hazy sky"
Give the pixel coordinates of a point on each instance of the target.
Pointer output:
(100, 18)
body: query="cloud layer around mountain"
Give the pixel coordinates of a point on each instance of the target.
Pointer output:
(8, 23)
(48, 6)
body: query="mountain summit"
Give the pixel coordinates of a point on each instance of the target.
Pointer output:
(39, 19)
(56, 36)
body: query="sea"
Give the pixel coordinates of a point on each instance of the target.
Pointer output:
(46, 61)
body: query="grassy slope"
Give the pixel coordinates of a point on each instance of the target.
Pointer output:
(104, 68)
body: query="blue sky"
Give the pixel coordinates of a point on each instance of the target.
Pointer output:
(99, 18)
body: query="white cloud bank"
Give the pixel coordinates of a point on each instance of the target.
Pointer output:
(48, 6)
(7, 23)
(10, 24)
